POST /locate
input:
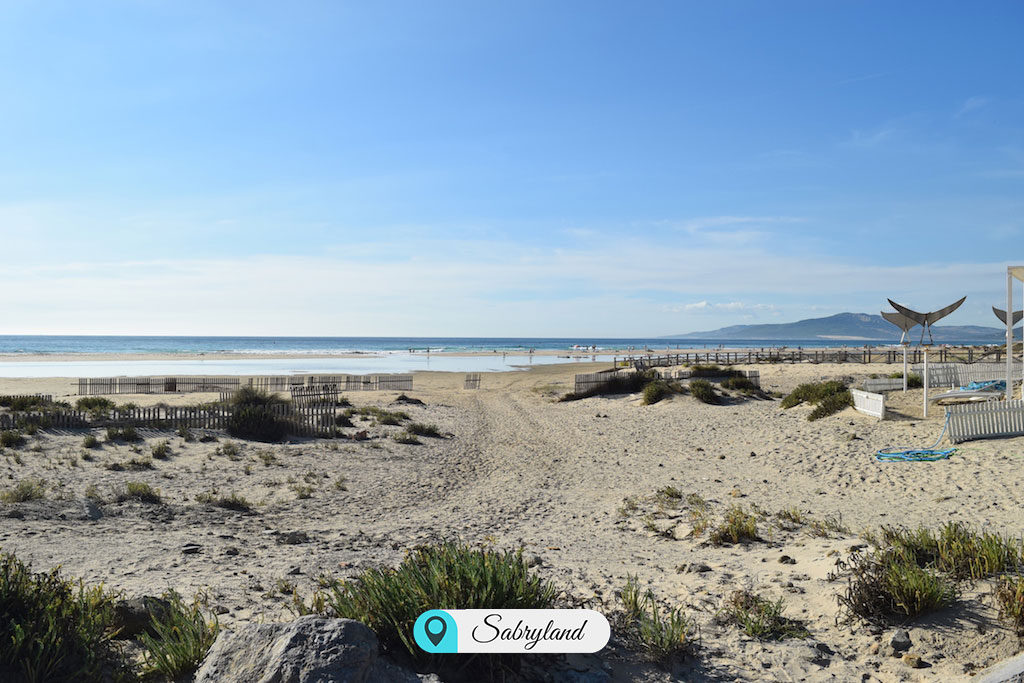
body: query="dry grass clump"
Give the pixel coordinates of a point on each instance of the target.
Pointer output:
(406, 438)
(138, 491)
(232, 502)
(886, 586)
(24, 491)
(420, 429)
(1009, 595)
(11, 438)
(738, 526)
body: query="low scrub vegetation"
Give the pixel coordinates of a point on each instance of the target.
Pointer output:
(828, 398)
(885, 586)
(11, 438)
(161, 450)
(1009, 595)
(406, 438)
(914, 380)
(27, 403)
(94, 404)
(128, 434)
(420, 429)
(55, 629)
(656, 391)
(258, 416)
(704, 392)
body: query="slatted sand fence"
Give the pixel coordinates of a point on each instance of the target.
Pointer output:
(315, 394)
(99, 386)
(962, 374)
(593, 381)
(990, 419)
(472, 380)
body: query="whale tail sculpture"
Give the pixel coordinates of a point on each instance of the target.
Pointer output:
(1001, 314)
(926, 320)
(901, 321)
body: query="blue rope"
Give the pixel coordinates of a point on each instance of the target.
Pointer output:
(918, 454)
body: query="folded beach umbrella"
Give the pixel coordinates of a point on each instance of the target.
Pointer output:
(1001, 314)
(901, 321)
(926, 320)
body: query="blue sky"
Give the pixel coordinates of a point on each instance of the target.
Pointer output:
(521, 169)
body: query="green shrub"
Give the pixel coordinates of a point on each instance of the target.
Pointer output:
(445, 576)
(830, 405)
(138, 491)
(25, 403)
(258, 416)
(95, 404)
(655, 391)
(887, 586)
(740, 383)
(407, 438)
(90, 441)
(186, 434)
(54, 629)
(761, 618)
(420, 429)
(24, 491)
(703, 391)
(812, 393)
(11, 438)
(181, 637)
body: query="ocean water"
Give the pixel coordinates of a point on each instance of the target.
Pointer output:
(375, 354)
(28, 344)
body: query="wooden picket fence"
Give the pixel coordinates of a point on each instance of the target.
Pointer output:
(985, 420)
(869, 403)
(962, 374)
(308, 420)
(90, 386)
(597, 380)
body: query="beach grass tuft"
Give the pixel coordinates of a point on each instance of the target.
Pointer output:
(24, 491)
(181, 637)
(704, 392)
(761, 618)
(738, 526)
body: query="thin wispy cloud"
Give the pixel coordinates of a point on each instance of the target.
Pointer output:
(971, 104)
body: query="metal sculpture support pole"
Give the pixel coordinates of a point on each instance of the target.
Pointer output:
(904, 368)
(1009, 334)
(926, 381)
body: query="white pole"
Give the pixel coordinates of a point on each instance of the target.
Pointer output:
(1009, 334)
(904, 368)
(926, 381)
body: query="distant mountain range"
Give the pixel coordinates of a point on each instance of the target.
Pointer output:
(849, 327)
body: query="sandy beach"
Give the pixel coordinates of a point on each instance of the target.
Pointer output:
(573, 483)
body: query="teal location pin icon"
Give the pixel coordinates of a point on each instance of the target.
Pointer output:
(435, 632)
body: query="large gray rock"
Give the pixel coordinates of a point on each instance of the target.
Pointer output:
(307, 650)
(135, 615)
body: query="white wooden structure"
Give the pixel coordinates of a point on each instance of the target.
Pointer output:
(877, 384)
(985, 420)
(870, 404)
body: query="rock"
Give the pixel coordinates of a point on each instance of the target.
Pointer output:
(190, 548)
(824, 648)
(900, 640)
(681, 531)
(292, 538)
(693, 568)
(231, 550)
(534, 560)
(133, 616)
(913, 661)
(786, 559)
(361, 435)
(311, 648)
(92, 511)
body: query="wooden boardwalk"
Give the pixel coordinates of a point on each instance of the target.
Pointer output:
(782, 355)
